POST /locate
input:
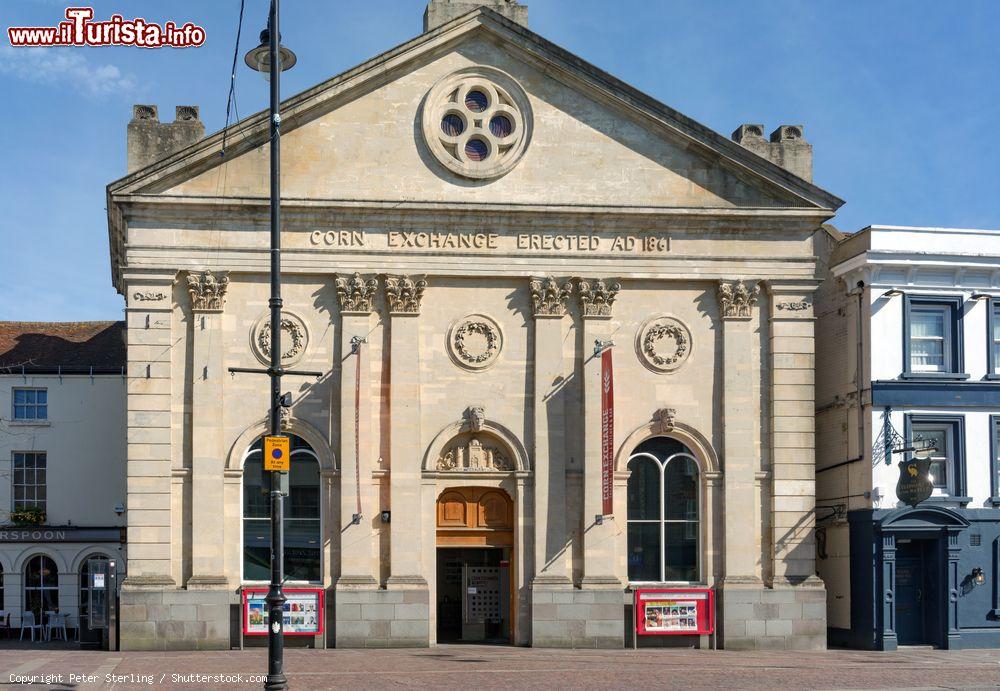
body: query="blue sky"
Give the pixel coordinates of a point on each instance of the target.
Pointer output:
(899, 99)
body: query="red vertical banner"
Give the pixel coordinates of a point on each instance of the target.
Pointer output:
(607, 433)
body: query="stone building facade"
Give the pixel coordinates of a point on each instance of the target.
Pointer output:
(464, 217)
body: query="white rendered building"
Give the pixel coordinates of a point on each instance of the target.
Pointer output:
(62, 465)
(908, 355)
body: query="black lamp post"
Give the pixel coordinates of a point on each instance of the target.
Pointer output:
(261, 59)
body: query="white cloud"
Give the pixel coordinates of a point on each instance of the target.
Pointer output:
(65, 67)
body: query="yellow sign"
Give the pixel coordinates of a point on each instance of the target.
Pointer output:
(277, 454)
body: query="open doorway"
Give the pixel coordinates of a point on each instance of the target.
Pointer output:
(473, 595)
(475, 550)
(918, 592)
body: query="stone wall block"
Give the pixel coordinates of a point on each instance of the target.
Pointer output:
(415, 611)
(348, 612)
(375, 612)
(770, 643)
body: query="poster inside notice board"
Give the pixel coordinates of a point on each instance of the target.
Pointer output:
(675, 611)
(303, 611)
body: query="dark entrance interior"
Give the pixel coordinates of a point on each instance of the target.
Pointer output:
(918, 592)
(473, 595)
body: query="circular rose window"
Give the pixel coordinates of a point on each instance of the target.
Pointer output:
(477, 122)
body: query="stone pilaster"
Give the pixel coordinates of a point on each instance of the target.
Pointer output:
(737, 302)
(150, 454)
(403, 297)
(793, 425)
(552, 552)
(208, 297)
(357, 542)
(597, 299)
(741, 584)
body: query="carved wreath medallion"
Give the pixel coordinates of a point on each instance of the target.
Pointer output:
(475, 342)
(294, 338)
(663, 343)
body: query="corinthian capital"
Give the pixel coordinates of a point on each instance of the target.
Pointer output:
(736, 299)
(356, 294)
(548, 298)
(597, 297)
(404, 294)
(208, 292)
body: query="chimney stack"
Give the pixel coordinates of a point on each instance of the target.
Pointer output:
(440, 12)
(149, 140)
(787, 147)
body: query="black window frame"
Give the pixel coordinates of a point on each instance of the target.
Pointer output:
(957, 422)
(995, 460)
(956, 305)
(992, 348)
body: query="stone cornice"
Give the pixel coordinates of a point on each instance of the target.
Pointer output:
(258, 206)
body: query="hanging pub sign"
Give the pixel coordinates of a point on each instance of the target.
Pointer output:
(915, 484)
(607, 433)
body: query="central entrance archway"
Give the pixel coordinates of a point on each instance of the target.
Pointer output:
(475, 553)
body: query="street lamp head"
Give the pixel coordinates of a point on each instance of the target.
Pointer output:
(260, 57)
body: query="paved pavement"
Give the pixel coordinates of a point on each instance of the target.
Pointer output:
(483, 667)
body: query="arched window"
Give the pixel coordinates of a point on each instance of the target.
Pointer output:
(302, 515)
(41, 586)
(86, 583)
(663, 512)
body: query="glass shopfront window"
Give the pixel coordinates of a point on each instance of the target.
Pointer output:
(302, 516)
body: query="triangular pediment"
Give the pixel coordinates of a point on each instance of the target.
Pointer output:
(594, 140)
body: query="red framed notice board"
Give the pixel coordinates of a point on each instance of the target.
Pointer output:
(303, 611)
(674, 611)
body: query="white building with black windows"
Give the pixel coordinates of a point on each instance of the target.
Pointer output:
(62, 471)
(908, 356)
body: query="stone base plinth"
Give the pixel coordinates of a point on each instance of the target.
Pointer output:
(569, 617)
(375, 618)
(785, 617)
(175, 619)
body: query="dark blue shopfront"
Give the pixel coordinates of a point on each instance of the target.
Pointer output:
(928, 575)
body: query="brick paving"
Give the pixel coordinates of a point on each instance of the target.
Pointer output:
(484, 667)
